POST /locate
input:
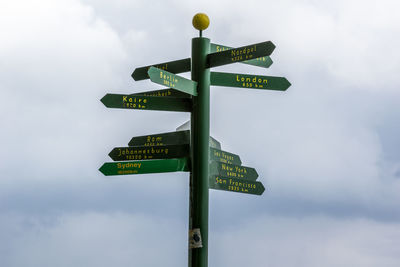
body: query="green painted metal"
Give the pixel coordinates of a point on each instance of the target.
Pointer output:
(214, 143)
(236, 185)
(200, 132)
(240, 54)
(249, 81)
(233, 171)
(164, 93)
(166, 78)
(161, 139)
(147, 102)
(145, 166)
(224, 157)
(149, 152)
(170, 138)
(177, 66)
(264, 62)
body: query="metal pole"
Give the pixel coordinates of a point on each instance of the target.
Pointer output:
(200, 132)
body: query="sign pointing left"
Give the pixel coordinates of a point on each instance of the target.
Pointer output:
(147, 102)
(144, 166)
(177, 66)
(171, 80)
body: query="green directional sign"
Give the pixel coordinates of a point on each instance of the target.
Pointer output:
(149, 152)
(174, 81)
(224, 157)
(233, 171)
(236, 185)
(177, 66)
(147, 102)
(264, 62)
(163, 92)
(170, 138)
(214, 143)
(249, 81)
(240, 54)
(161, 139)
(144, 166)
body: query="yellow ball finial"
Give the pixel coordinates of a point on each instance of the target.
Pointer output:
(201, 21)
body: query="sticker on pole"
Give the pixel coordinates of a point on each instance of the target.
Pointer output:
(195, 238)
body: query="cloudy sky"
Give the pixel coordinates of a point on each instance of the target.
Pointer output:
(327, 150)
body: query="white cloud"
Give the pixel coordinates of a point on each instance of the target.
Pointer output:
(100, 239)
(311, 241)
(92, 239)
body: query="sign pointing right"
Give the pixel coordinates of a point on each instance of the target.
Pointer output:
(236, 185)
(232, 171)
(264, 62)
(249, 81)
(240, 54)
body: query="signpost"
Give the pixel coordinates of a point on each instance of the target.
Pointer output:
(236, 185)
(233, 171)
(264, 62)
(144, 166)
(177, 66)
(224, 157)
(171, 138)
(249, 81)
(149, 152)
(240, 54)
(174, 81)
(164, 92)
(191, 148)
(147, 102)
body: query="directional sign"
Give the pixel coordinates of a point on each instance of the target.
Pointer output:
(174, 81)
(162, 139)
(171, 138)
(214, 143)
(240, 54)
(233, 171)
(249, 81)
(144, 166)
(149, 152)
(264, 62)
(177, 66)
(147, 102)
(236, 185)
(163, 92)
(224, 157)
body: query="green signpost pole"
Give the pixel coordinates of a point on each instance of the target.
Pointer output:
(193, 150)
(200, 132)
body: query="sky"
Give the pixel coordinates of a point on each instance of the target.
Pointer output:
(326, 150)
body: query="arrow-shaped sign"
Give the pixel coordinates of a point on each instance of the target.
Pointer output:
(147, 102)
(236, 185)
(233, 171)
(264, 62)
(171, 80)
(164, 92)
(214, 143)
(170, 138)
(161, 139)
(224, 157)
(249, 81)
(240, 54)
(177, 66)
(149, 152)
(144, 166)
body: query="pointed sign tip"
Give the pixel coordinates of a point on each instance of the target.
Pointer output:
(103, 100)
(101, 169)
(262, 189)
